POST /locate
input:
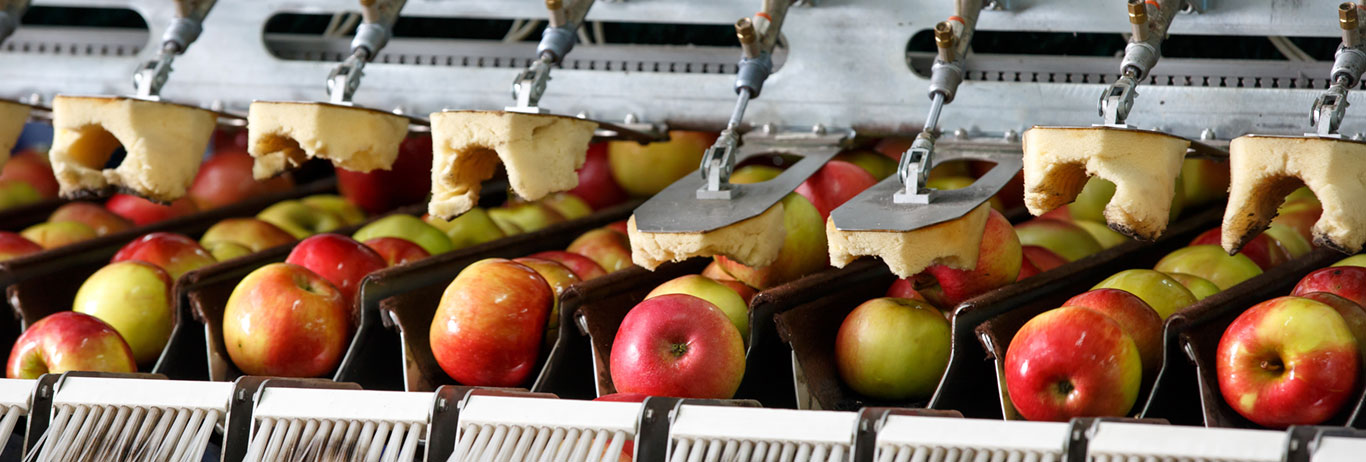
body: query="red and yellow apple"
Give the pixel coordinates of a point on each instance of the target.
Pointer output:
(609, 249)
(397, 251)
(490, 322)
(32, 168)
(53, 234)
(408, 181)
(893, 348)
(999, 259)
(68, 341)
(583, 267)
(253, 234)
(1348, 282)
(96, 217)
(724, 298)
(835, 183)
(1139, 320)
(803, 251)
(1158, 290)
(339, 259)
(172, 252)
(1072, 362)
(143, 212)
(225, 178)
(596, 185)
(284, 320)
(1262, 249)
(646, 169)
(528, 216)
(677, 345)
(13, 245)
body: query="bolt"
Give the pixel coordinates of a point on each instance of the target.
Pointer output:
(770, 128)
(1347, 16)
(818, 129)
(631, 118)
(943, 35)
(961, 133)
(1012, 136)
(1207, 134)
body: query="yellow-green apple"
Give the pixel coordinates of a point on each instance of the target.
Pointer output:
(608, 248)
(1300, 215)
(490, 322)
(32, 168)
(716, 273)
(893, 348)
(998, 263)
(1289, 238)
(560, 278)
(1062, 237)
(677, 345)
(874, 163)
(1199, 287)
(1348, 282)
(13, 245)
(396, 250)
(646, 169)
(97, 218)
(408, 181)
(175, 253)
(1205, 181)
(1352, 313)
(284, 320)
(1139, 320)
(1090, 203)
(583, 267)
(1210, 262)
(567, 205)
(225, 178)
(803, 251)
(724, 298)
(745, 292)
(1104, 235)
(68, 341)
(407, 227)
(300, 220)
(1262, 249)
(134, 298)
(1042, 258)
(15, 193)
(528, 216)
(474, 227)
(1158, 290)
(960, 182)
(339, 259)
(1072, 362)
(1287, 361)
(225, 250)
(596, 185)
(1354, 260)
(143, 212)
(835, 183)
(53, 234)
(751, 174)
(349, 213)
(905, 288)
(254, 234)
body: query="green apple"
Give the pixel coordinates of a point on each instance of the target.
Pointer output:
(1212, 263)
(1289, 238)
(893, 348)
(55, 234)
(528, 216)
(344, 209)
(646, 169)
(751, 174)
(1205, 180)
(1104, 235)
(1354, 260)
(226, 250)
(878, 165)
(725, 298)
(300, 220)
(1091, 202)
(567, 205)
(474, 227)
(1158, 290)
(134, 298)
(945, 183)
(15, 193)
(1199, 287)
(254, 234)
(407, 227)
(803, 251)
(1062, 237)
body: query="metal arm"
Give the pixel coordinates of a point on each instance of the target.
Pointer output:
(10, 12)
(184, 29)
(1150, 20)
(378, 17)
(1348, 65)
(556, 42)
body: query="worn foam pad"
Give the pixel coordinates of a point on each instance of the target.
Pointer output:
(282, 135)
(1264, 169)
(954, 243)
(754, 242)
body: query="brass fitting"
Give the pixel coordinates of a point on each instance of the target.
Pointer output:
(553, 4)
(945, 39)
(1347, 16)
(749, 38)
(1138, 19)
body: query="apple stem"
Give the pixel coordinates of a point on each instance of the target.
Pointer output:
(680, 349)
(1273, 365)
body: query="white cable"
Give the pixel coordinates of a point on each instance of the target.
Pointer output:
(512, 31)
(598, 34)
(583, 37)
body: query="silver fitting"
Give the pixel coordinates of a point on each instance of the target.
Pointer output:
(1118, 99)
(717, 164)
(1139, 58)
(945, 78)
(182, 32)
(914, 172)
(1350, 63)
(8, 24)
(752, 74)
(557, 42)
(371, 37)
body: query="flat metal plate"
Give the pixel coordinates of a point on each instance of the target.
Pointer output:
(874, 210)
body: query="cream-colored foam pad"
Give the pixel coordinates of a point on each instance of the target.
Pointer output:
(164, 142)
(953, 243)
(1266, 168)
(13, 116)
(282, 135)
(541, 154)
(1142, 165)
(754, 241)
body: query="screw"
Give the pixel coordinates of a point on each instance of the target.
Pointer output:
(1012, 135)
(818, 129)
(631, 118)
(1207, 134)
(961, 133)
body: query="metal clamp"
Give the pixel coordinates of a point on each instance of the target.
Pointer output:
(717, 164)
(914, 172)
(183, 31)
(557, 41)
(371, 36)
(1150, 21)
(1348, 65)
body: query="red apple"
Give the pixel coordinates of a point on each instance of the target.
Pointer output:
(33, 169)
(284, 320)
(1300, 215)
(1042, 258)
(724, 298)
(596, 186)
(1287, 361)
(1072, 362)
(1027, 270)
(874, 163)
(1139, 320)
(12, 246)
(490, 323)
(225, 179)
(583, 267)
(1262, 250)
(1205, 180)
(645, 169)
(1348, 282)
(1352, 313)
(905, 288)
(746, 293)
(54, 234)
(893, 349)
(714, 271)
(397, 251)
(998, 263)
(252, 233)
(144, 212)
(677, 345)
(893, 146)
(609, 249)
(835, 183)
(68, 341)
(407, 182)
(339, 259)
(97, 218)
(172, 252)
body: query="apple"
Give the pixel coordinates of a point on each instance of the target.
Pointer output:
(32, 168)
(397, 251)
(1351, 312)
(225, 178)
(349, 213)
(583, 267)
(1348, 282)
(1104, 235)
(560, 278)
(1042, 258)
(175, 253)
(834, 184)
(13, 245)
(1139, 320)
(874, 163)
(1158, 290)
(1262, 250)
(1199, 287)
(1072, 362)
(15, 193)
(143, 212)
(1210, 262)
(408, 181)
(1287, 361)
(300, 220)
(751, 174)
(893, 348)
(225, 250)
(803, 251)
(596, 185)
(134, 298)
(745, 292)
(715, 272)
(490, 322)
(284, 320)
(1027, 270)
(1063, 238)
(472, 228)
(1300, 215)
(1354, 260)
(528, 216)
(339, 259)
(720, 296)
(96, 217)
(68, 341)
(1012, 194)
(567, 205)
(253, 234)
(608, 248)
(645, 169)
(230, 139)
(1090, 203)
(1289, 239)
(894, 146)
(407, 227)
(905, 288)
(999, 259)
(55, 234)
(677, 345)
(1205, 181)
(945, 183)
(619, 226)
